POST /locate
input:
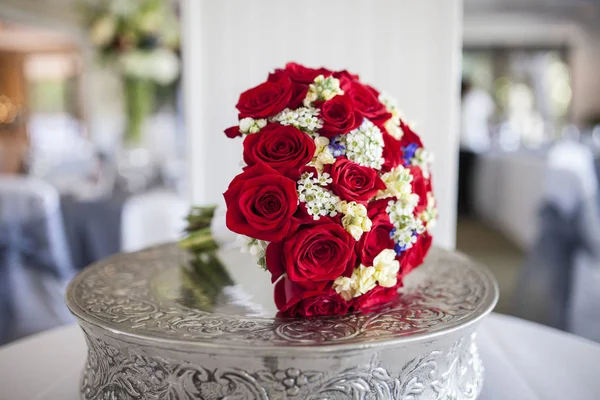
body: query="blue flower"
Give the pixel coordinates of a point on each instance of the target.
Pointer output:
(392, 232)
(399, 249)
(337, 148)
(408, 152)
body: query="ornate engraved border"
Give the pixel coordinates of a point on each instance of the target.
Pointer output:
(111, 373)
(116, 294)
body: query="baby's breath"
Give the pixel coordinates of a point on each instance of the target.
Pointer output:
(304, 118)
(319, 201)
(406, 226)
(422, 158)
(364, 145)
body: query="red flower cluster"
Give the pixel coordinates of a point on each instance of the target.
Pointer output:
(304, 182)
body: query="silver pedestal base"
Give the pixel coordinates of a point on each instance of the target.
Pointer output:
(148, 341)
(446, 369)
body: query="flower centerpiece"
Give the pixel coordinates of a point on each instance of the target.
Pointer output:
(141, 38)
(335, 199)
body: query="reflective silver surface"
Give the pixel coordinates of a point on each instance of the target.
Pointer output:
(157, 332)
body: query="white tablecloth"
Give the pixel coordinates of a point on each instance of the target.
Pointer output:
(523, 361)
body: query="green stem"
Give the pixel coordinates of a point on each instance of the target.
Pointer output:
(139, 98)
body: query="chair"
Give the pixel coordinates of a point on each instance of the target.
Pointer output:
(152, 218)
(35, 264)
(559, 283)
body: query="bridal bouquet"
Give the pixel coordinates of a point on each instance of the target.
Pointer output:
(141, 38)
(336, 198)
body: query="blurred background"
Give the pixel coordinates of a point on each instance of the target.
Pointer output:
(112, 111)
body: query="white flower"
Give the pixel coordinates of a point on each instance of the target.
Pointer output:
(304, 118)
(160, 65)
(135, 64)
(165, 66)
(318, 200)
(245, 124)
(251, 125)
(255, 247)
(103, 30)
(397, 182)
(423, 159)
(391, 104)
(355, 219)
(364, 145)
(386, 268)
(364, 280)
(429, 216)
(344, 286)
(323, 155)
(322, 89)
(394, 129)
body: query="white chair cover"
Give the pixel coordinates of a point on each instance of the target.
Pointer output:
(38, 267)
(570, 177)
(571, 186)
(152, 218)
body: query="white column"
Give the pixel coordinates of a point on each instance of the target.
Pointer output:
(407, 48)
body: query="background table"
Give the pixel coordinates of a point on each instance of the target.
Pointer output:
(523, 361)
(507, 190)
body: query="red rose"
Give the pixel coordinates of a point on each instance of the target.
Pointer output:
(284, 148)
(345, 77)
(299, 90)
(409, 136)
(301, 74)
(378, 207)
(366, 101)
(392, 151)
(266, 99)
(376, 240)
(314, 256)
(414, 256)
(353, 182)
(339, 116)
(233, 132)
(292, 301)
(261, 203)
(420, 186)
(378, 296)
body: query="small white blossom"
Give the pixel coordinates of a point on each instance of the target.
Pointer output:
(319, 201)
(251, 125)
(364, 145)
(406, 225)
(392, 125)
(423, 159)
(386, 268)
(355, 219)
(255, 247)
(323, 155)
(397, 182)
(322, 89)
(394, 129)
(391, 105)
(364, 280)
(304, 118)
(345, 287)
(429, 217)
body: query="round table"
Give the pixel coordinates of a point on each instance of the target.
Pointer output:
(523, 361)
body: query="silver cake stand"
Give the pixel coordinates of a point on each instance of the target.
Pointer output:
(155, 331)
